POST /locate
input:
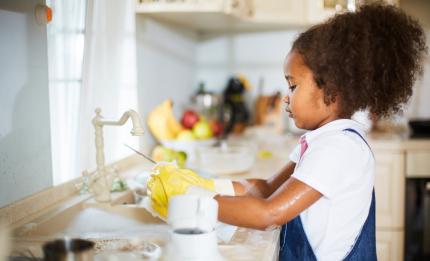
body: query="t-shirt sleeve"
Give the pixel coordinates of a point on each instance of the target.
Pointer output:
(295, 154)
(323, 168)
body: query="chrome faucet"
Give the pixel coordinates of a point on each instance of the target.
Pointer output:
(101, 185)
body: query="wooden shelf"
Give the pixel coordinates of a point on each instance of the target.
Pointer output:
(208, 18)
(178, 7)
(224, 16)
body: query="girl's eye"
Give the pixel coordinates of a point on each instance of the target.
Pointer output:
(292, 87)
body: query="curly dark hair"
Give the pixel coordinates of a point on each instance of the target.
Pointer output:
(370, 59)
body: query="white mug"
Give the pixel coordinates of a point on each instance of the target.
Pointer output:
(196, 247)
(193, 212)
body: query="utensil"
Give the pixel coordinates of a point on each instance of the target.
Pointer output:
(141, 154)
(126, 249)
(68, 249)
(206, 103)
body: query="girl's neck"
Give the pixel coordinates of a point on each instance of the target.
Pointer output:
(328, 119)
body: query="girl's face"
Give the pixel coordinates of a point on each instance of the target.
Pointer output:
(305, 101)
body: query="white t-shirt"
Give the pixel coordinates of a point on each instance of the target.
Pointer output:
(340, 165)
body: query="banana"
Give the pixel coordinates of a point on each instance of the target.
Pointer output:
(158, 127)
(172, 123)
(162, 121)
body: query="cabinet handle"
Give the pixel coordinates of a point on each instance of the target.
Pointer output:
(428, 185)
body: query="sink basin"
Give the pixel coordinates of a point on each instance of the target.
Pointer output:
(91, 220)
(118, 223)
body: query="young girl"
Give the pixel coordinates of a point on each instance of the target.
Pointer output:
(324, 197)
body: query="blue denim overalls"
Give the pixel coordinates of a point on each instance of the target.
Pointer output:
(294, 244)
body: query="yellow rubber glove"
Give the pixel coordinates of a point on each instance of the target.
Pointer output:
(168, 180)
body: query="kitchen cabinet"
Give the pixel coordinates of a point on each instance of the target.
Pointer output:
(239, 8)
(200, 16)
(389, 245)
(390, 189)
(319, 11)
(390, 204)
(316, 11)
(395, 161)
(418, 164)
(297, 13)
(220, 16)
(280, 12)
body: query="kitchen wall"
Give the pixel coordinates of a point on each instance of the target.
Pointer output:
(259, 56)
(166, 67)
(171, 63)
(419, 105)
(25, 152)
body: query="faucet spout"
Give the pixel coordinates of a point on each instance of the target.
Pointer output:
(103, 191)
(137, 129)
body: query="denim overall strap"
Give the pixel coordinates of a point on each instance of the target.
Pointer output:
(365, 245)
(294, 244)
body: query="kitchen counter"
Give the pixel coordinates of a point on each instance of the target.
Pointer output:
(246, 244)
(384, 141)
(250, 244)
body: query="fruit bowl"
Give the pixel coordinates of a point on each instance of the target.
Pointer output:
(227, 159)
(189, 147)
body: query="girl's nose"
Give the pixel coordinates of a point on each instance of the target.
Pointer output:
(287, 99)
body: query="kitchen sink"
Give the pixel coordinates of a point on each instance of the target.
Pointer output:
(121, 222)
(91, 217)
(95, 221)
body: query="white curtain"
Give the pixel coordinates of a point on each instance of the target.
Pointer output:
(65, 53)
(109, 78)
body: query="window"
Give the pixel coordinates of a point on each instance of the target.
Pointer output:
(65, 56)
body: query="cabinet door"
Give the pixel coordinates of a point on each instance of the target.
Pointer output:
(389, 245)
(418, 164)
(390, 189)
(316, 12)
(279, 11)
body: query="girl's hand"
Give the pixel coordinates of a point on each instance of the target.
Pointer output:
(168, 180)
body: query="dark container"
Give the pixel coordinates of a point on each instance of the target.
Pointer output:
(420, 128)
(68, 249)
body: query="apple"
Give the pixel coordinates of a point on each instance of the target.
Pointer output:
(202, 130)
(181, 158)
(189, 119)
(185, 135)
(217, 128)
(160, 153)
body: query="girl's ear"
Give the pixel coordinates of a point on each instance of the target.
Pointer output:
(336, 107)
(319, 81)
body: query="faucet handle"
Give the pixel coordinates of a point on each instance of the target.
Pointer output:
(83, 185)
(98, 111)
